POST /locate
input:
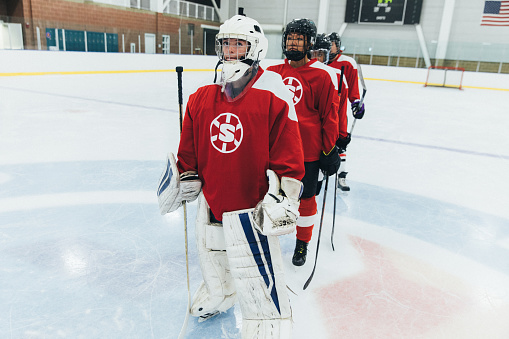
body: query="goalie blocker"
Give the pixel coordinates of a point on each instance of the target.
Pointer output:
(174, 188)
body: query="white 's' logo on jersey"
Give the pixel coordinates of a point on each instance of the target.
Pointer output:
(226, 132)
(295, 87)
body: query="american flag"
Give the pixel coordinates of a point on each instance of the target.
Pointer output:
(496, 13)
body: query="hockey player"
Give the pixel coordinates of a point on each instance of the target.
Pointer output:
(321, 51)
(314, 88)
(240, 154)
(336, 60)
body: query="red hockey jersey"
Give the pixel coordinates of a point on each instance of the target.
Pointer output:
(343, 104)
(352, 78)
(232, 144)
(315, 95)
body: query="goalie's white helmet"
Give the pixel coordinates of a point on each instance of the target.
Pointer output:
(252, 47)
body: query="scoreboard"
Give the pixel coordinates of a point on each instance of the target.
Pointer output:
(392, 12)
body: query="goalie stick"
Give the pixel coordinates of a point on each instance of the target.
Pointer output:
(364, 90)
(180, 70)
(319, 231)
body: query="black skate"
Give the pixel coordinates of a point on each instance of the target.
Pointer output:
(299, 255)
(342, 182)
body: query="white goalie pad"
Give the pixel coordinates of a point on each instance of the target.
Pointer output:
(169, 187)
(277, 214)
(256, 266)
(217, 291)
(255, 329)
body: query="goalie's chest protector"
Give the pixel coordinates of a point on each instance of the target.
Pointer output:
(232, 143)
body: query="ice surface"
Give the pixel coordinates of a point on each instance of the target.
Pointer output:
(422, 239)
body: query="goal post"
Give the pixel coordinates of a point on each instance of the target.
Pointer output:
(442, 76)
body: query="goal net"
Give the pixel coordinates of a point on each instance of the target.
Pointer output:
(441, 76)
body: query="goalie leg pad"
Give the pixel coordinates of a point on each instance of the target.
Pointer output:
(217, 291)
(257, 269)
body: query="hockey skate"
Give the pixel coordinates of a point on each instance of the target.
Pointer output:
(206, 306)
(342, 182)
(299, 255)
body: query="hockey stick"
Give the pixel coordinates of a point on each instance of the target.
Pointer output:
(363, 84)
(364, 90)
(336, 175)
(179, 70)
(334, 212)
(319, 230)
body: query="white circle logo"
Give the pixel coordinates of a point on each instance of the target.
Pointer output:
(294, 85)
(226, 132)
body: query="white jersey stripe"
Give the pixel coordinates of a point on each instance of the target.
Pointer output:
(306, 221)
(272, 82)
(330, 70)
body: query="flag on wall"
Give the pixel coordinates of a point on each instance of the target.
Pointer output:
(496, 13)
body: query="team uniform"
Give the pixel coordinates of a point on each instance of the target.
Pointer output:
(230, 147)
(343, 104)
(351, 77)
(351, 74)
(321, 51)
(315, 95)
(240, 155)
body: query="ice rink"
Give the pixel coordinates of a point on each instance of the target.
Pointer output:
(422, 238)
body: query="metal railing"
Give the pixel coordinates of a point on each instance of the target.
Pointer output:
(189, 9)
(177, 7)
(485, 57)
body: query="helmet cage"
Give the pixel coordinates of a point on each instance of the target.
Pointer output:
(305, 27)
(225, 38)
(239, 69)
(320, 53)
(335, 38)
(321, 48)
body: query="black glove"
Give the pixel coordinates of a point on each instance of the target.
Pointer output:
(329, 163)
(358, 109)
(343, 142)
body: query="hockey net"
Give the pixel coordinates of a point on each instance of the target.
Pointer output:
(441, 76)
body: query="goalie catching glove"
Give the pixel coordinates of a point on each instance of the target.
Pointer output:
(174, 188)
(277, 213)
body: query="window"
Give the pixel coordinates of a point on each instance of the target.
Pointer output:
(166, 44)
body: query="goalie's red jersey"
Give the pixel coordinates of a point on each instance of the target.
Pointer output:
(315, 95)
(232, 144)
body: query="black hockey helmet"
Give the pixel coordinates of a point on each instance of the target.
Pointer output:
(321, 48)
(305, 27)
(334, 37)
(322, 42)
